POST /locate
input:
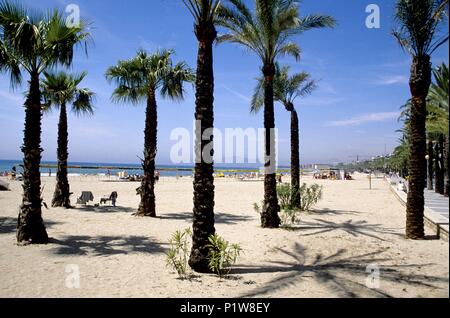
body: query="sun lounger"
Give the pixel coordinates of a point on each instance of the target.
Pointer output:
(86, 196)
(112, 198)
(4, 186)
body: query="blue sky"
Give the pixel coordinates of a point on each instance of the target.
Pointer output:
(363, 77)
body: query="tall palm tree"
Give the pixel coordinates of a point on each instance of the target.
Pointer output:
(286, 90)
(206, 15)
(33, 43)
(437, 122)
(400, 157)
(267, 32)
(418, 34)
(139, 79)
(431, 135)
(59, 90)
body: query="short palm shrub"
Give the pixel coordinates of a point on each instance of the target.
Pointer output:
(178, 255)
(310, 196)
(257, 207)
(284, 196)
(289, 217)
(222, 255)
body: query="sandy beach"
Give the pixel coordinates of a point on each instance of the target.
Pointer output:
(326, 255)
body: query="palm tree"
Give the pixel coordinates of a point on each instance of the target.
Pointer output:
(417, 34)
(139, 79)
(267, 32)
(206, 15)
(441, 9)
(286, 90)
(33, 43)
(400, 157)
(437, 123)
(59, 90)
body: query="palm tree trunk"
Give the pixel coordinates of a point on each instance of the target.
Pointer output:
(147, 207)
(446, 145)
(420, 81)
(430, 165)
(269, 214)
(440, 182)
(295, 161)
(30, 225)
(404, 169)
(203, 218)
(61, 197)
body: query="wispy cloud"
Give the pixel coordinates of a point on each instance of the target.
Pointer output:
(15, 98)
(154, 46)
(395, 64)
(321, 101)
(15, 119)
(392, 80)
(237, 94)
(327, 88)
(364, 119)
(100, 130)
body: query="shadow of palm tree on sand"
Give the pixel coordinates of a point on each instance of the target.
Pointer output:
(354, 228)
(344, 275)
(105, 245)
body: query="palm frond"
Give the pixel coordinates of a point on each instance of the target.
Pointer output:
(10, 64)
(62, 88)
(267, 30)
(418, 26)
(135, 78)
(83, 102)
(287, 88)
(203, 11)
(38, 42)
(257, 101)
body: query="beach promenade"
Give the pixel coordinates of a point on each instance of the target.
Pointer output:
(437, 203)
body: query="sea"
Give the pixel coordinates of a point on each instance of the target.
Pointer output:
(48, 168)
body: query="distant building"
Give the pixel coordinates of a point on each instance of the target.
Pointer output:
(322, 167)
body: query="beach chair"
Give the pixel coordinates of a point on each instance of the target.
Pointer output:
(4, 186)
(112, 198)
(86, 196)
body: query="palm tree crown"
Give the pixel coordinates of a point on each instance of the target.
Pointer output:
(62, 88)
(268, 31)
(419, 21)
(287, 88)
(36, 42)
(203, 11)
(135, 77)
(438, 99)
